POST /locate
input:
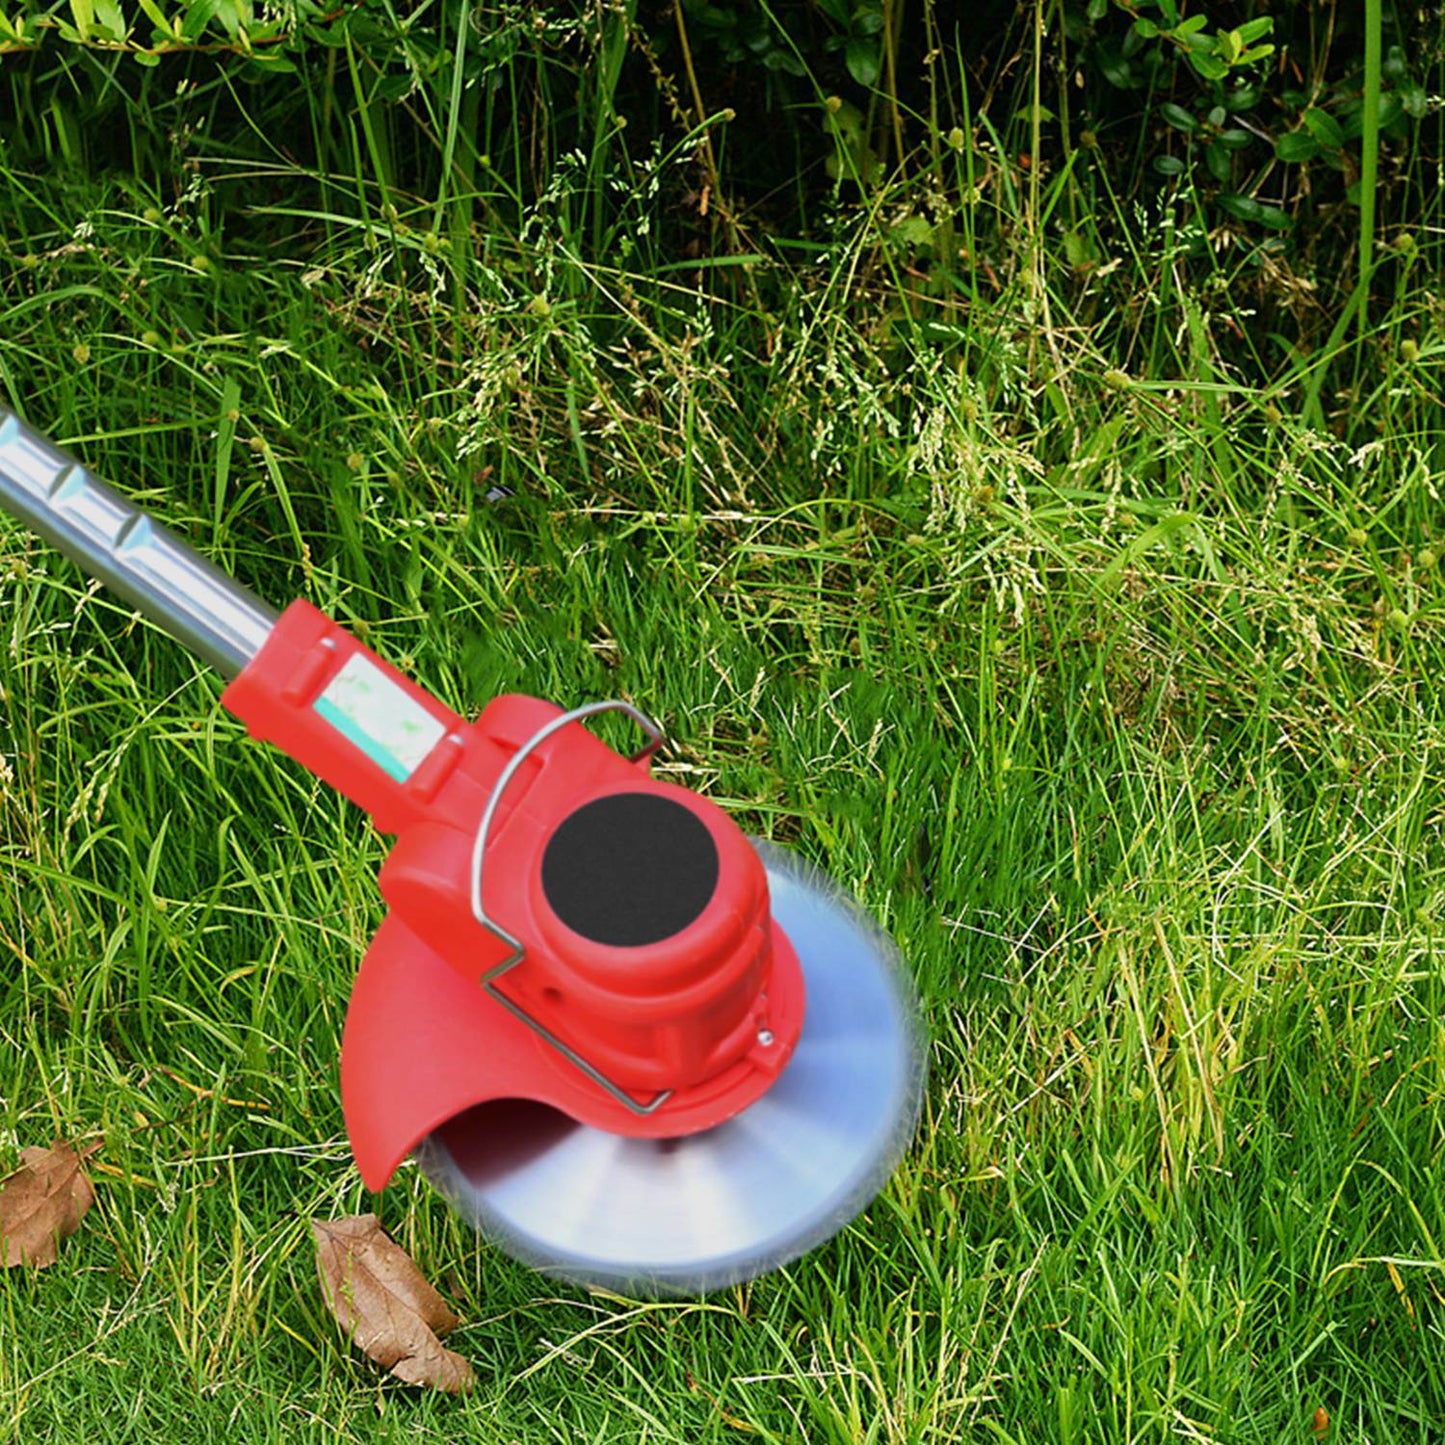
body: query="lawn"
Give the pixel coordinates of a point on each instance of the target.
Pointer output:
(1099, 666)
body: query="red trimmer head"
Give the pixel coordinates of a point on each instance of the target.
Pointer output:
(606, 935)
(633, 1046)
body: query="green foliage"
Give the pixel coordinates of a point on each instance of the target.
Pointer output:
(147, 30)
(1213, 54)
(1146, 55)
(1331, 124)
(1231, 111)
(860, 26)
(1027, 530)
(1103, 673)
(784, 37)
(1203, 100)
(742, 35)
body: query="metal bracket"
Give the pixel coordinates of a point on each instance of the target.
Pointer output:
(519, 949)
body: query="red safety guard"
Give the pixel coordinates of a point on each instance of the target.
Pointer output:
(707, 1015)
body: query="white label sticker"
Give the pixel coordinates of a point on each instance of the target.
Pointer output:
(391, 728)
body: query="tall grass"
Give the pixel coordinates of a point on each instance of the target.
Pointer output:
(1000, 563)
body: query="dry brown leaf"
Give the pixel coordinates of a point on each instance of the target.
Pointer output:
(43, 1202)
(383, 1304)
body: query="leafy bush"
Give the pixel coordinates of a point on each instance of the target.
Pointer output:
(713, 124)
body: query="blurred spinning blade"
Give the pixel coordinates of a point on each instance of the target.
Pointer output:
(687, 1215)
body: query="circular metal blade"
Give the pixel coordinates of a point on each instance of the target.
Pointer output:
(682, 1216)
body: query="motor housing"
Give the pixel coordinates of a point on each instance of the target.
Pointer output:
(624, 966)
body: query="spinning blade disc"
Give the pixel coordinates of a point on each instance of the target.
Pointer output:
(681, 1216)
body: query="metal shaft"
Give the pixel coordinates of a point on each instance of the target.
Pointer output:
(115, 541)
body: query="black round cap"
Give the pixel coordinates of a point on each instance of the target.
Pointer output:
(629, 869)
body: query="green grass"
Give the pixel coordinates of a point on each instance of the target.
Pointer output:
(1100, 666)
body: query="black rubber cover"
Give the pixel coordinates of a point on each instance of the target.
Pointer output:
(629, 869)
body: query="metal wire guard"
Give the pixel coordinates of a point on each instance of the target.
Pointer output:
(505, 936)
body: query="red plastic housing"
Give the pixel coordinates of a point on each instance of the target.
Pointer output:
(711, 1012)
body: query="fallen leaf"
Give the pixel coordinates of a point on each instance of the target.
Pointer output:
(383, 1304)
(43, 1202)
